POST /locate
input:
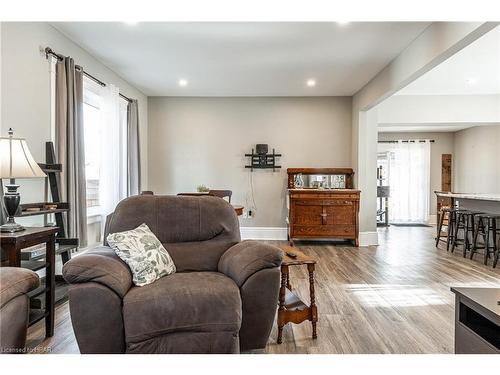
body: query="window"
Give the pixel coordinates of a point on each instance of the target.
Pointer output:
(92, 134)
(95, 116)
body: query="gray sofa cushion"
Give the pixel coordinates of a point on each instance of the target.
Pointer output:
(100, 265)
(244, 259)
(16, 281)
(182, 302)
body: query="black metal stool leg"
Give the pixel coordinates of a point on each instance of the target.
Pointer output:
(495, 258)
(455, 235)
(476, 233)
(487, 242)
(495, 248)
(440, 227)
(450, 229)
(466, 235)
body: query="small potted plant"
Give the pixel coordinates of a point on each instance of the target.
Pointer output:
(202, 189)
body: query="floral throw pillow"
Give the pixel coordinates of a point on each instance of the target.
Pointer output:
(144, 254)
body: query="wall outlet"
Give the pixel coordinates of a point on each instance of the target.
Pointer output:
(248, 214)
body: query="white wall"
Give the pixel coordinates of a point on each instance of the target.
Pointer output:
(477, 160)
(25, 90)
(443, 144)
(196, 141)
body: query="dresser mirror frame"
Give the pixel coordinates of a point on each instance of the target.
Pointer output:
(347, 172)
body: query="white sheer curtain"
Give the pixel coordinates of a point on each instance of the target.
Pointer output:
(111, 189)
(410, 182)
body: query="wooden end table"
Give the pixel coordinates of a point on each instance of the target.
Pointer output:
(291, 308)
(13, 243)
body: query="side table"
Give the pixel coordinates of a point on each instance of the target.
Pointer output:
(13, 243)
(291, 308)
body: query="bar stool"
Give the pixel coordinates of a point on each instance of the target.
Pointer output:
(487, 225)
(464, 222)
(450, 213)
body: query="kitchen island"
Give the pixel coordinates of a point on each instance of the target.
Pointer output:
(488, 203)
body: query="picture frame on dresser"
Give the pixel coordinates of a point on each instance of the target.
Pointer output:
(320, 211)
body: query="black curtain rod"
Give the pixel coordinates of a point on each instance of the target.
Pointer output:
(49, 51)
(408, 141)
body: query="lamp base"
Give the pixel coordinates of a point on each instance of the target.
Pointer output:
(11, 228)
(11, 201)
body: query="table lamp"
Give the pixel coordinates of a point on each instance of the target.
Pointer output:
(15, 162)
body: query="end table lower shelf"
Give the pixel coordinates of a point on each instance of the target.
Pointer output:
(291, 308)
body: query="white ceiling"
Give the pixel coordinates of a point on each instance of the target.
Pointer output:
(244, 59)
(475, 70)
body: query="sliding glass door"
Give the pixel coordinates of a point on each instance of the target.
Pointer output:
(410, 182)
(407, 172)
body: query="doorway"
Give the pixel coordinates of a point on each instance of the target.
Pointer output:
(404, 171)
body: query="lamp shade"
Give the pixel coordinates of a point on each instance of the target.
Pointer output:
(16, 160)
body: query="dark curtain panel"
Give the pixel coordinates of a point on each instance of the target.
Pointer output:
(133, 151)
(70, 145)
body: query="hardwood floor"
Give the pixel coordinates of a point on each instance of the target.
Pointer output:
(394, 298)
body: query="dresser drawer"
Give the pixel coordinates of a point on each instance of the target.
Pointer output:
(324, 202)
(314, 213)
(341, 231)
(331, 196)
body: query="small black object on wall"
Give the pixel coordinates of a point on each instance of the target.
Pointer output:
(261, 159)
(261, 148)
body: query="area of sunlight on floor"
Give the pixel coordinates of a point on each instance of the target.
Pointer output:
(377, 295)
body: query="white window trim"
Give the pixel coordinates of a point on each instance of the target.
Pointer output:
(93, 213)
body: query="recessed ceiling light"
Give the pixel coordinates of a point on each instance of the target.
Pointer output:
(183, 82)
(343, 23)
(471, 81)
(311, 82)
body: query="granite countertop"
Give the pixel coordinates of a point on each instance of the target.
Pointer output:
(481, 197)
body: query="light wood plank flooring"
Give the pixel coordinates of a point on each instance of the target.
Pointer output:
(394, 298)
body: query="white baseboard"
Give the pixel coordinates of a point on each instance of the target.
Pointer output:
(368, 238)
(277, 233)
(263, 233)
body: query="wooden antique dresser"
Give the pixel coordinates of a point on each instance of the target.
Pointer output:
(322, 204)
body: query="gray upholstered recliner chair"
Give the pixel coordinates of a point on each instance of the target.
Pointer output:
(15, 283)
(222, 299)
